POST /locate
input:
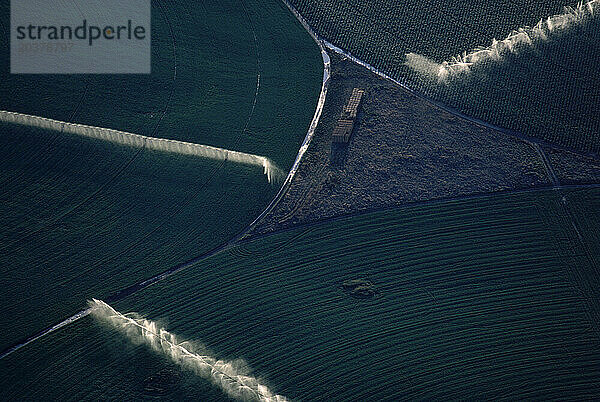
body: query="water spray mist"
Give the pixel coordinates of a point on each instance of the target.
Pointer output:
(231, 377)
(516, 40)
(273, 173)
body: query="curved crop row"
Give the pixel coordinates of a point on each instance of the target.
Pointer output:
(472, 302)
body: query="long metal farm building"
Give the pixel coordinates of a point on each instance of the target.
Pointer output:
(343, 130)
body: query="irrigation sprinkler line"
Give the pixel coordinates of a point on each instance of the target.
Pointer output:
(527, 35)
(151, 142)
(142, 141)
(114, 314)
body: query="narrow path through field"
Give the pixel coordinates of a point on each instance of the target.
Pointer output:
(240, 239)
(547, 165)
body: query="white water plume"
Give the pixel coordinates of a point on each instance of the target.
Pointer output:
(230, 377)
(273, 173)
(516, 40)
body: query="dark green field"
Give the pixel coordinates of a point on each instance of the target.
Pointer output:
(83, 218)
(549, 91)
(209, 101)
(479, 298)
(439, 29)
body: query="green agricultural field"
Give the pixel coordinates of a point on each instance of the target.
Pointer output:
(209, 100)
(548, 90)
(83, 218)
(480, 295)
(475, 299)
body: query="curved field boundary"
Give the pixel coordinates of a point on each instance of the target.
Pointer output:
(141, 141)
(313, 125)
(435, 201)
(172, 271)
(305, 144)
